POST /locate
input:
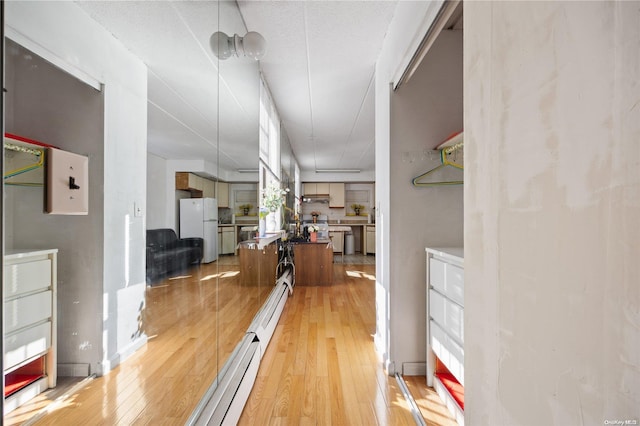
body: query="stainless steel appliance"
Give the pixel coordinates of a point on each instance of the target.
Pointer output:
(322, 223)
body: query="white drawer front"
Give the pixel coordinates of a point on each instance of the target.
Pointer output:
(22, 312)
(448, 279)
(437, 275)
(20, 278)
(448, 351)
(26, 344)
(449, 315)
(454, 283)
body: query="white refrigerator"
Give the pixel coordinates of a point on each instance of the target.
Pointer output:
(199, 218)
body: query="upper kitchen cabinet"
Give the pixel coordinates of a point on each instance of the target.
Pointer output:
(189, 182)
(316, 188)
(223, 194)
(208, 188)
(336, 195)
(335, 190)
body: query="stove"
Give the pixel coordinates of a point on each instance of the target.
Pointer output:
(322, 223)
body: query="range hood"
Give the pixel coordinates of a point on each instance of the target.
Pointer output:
(315, 198)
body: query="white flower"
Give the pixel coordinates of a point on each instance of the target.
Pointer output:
(313, 228)
(273, 196)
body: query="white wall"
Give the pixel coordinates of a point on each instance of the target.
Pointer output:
(552, 201)
(42, 98)
(64, 34)
(156, 191)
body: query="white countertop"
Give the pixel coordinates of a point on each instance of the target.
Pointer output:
(339, 228)
(271, 237)
(452, 253)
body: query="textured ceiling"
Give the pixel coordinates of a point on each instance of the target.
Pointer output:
(319, 67)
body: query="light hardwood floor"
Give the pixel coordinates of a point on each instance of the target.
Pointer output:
(320, 367)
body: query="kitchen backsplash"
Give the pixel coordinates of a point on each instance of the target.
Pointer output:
(224, 215)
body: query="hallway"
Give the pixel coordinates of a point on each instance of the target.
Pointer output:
(321, 367)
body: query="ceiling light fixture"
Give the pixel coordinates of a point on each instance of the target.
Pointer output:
(337, 170)
(252, 45)
(247, 170)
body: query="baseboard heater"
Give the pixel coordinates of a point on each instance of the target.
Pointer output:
(225, 399)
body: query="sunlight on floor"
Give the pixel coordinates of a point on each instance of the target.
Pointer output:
(39, 407)
(227, 274)
(360, 274)
(179, 277)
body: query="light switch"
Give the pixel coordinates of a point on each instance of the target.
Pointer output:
(67, 183)
(137, 210)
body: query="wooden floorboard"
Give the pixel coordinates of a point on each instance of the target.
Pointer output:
(319, 369)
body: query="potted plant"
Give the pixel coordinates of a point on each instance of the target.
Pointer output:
(313, 232)
(245, 209)
(357, 208)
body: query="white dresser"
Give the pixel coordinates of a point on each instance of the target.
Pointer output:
(30, 324)
(445, 326)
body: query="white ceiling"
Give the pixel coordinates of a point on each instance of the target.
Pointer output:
(319, 67)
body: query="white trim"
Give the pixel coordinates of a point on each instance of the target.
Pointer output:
(414, 368)
(51, 57)
(438, 13)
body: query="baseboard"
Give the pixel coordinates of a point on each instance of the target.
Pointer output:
(117, 358)
(414, 369)
(73, 370)
(390, 367)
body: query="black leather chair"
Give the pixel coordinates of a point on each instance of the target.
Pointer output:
(167, 253)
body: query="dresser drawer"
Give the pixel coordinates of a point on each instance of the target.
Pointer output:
(447, 350)
(26, 344)
(22, 312)
(449, 315)
(448, 279)
(21, 278)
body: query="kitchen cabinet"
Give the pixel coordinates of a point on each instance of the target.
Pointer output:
(310, 189)
(370, 239)
(316, 188)
(337, 239)
(223, 194)
(445, 326)
(208, 188)
(189, 182)
(336, 195)
(227, 239)
(322, 188)
(314, 263)
(30, 325)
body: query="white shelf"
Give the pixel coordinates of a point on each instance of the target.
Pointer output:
(453, 140)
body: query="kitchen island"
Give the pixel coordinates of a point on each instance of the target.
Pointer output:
(259, 259)
(313, 262)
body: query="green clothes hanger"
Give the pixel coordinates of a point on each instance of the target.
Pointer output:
(444, 162)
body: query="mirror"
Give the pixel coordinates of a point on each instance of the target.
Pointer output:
(184, 350)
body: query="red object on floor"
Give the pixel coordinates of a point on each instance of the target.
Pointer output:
(453, 386)
(15, 382)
